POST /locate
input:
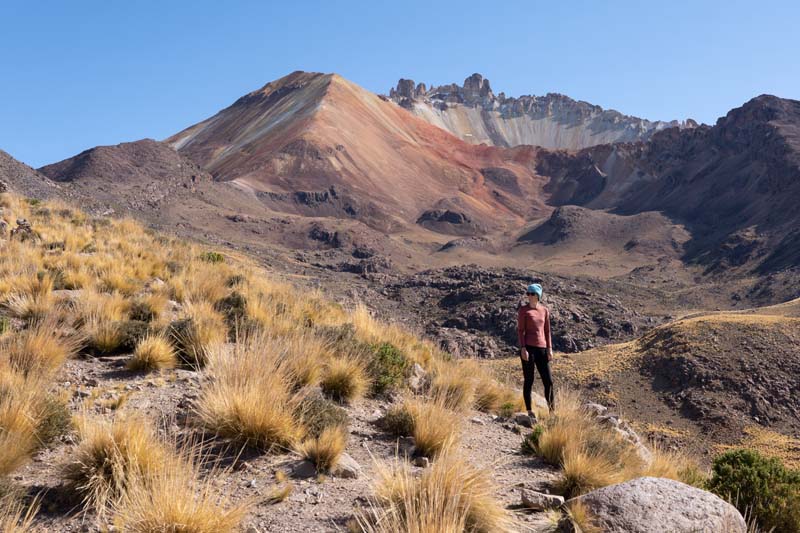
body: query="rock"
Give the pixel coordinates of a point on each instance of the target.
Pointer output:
(346, 467)
(23, 231)
(4, 187)
(648, 504)
(422, 462)
(478, 421)
(3, 228)
(417, 379)
(523, 420)
(304, 469)
(539, 501)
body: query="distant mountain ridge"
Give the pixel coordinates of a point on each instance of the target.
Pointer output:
(475, 114)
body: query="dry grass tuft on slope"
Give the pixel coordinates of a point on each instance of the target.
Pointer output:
(452, 496)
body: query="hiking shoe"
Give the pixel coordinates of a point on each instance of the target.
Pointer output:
(532, 418)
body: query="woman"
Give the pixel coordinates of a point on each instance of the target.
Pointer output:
(536, 347)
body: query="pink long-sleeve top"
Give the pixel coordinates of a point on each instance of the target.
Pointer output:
(533, 326)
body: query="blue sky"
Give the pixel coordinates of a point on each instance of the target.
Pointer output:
(76, 74)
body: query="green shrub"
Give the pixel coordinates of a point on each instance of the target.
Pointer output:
(234, 308)
(5, 324)
(759, 486)
(212, 257)
(33, 201)
(319, 413)
(398, 421)
(386, 368)
(530, 444)
(507, 410)
(54, 420)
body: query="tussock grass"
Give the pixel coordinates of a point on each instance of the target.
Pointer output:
(154, 352)
(435, 428)
(250, 398)
(585, 471)
(324, 450)
(344, 379)
(18, 407)
(198, 333)
(40, 349)
(452, 496)
(453, 385)
(177, 498)
(15, 517)
(582, 517)
(111, 456)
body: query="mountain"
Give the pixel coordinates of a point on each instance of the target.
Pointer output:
(24, 180)
(319, 145)
(734, 185)
(475, 114)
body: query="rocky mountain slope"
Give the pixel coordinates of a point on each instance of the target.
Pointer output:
(733, 184)
(475, 114)
(18, 176)
(319, 145)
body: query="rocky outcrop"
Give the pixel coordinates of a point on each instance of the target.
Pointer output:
(476, 114)
(647, 504)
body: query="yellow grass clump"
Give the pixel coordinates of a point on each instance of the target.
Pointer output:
(452, 496)
(16, 517)
(154, 352)
(177, 498)
(199, 332)
(324, 450)
(250, 398)
(40, 349)
(110, 456)
(344, 379)
(435, 428)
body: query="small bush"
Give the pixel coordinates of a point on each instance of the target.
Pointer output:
(584, 472)
(530, 444)
(131, 333)
(386, 368)
(319, 413)
(760, 487)
(53, 420)
(397, 421)
(234, 308)
(454, 386)
(212, 257)
(325, 449)
(154, 352)
(344, 380)
(507, 409)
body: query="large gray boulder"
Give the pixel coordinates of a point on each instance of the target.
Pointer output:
(659, 505)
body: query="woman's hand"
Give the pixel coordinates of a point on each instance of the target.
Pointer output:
(549, 354)
(523, 353)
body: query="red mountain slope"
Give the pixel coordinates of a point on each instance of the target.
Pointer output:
(319, 144)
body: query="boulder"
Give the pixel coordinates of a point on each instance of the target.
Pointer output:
(523, 420)
(538, 501)
(417, 379)
(648, 504)
(303, 469)
(4, 187)
(346, 467)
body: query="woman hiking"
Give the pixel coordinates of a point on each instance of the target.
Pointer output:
(536, 347)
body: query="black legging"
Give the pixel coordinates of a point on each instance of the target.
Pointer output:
(537, 356)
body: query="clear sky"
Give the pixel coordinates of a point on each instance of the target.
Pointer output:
(76, 74)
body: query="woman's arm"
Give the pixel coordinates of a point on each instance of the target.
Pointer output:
(547, 334)
(521, 327)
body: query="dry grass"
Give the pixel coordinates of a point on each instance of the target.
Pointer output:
(18, 429)
(453, 385)
(16, 517)
(674, 465)
(582, 517)
(435, 428)
(154, 352)
(344, 379)
(585, 471)
(770, 444)
(452, 496)
(176, 498)
(40, 349)
(110, 457)
(324, 450)
(251, 398)
(199, 332)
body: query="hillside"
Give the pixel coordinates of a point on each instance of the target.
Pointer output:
(17, 176)
(475, 114)
(704, 380)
